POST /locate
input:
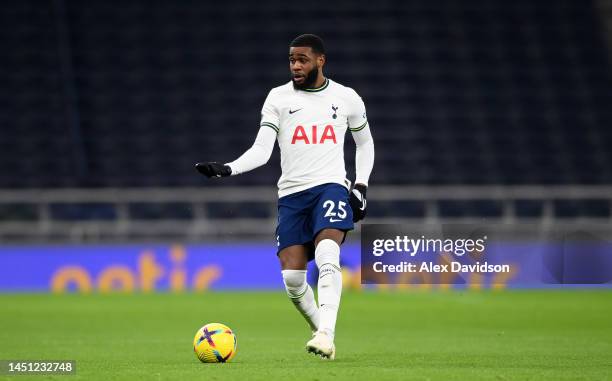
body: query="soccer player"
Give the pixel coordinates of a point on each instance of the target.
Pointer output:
(317, 206)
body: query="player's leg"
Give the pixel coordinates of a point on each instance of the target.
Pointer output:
(331, 218)
(327, 257)
(294, 260)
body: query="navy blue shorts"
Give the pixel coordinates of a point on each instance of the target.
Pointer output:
(302, 215)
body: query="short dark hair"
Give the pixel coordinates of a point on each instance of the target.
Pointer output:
(309, 40)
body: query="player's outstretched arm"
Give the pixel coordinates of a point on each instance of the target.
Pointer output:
(254, 157)
(364, 162)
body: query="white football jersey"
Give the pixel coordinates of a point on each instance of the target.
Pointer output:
(310, 126)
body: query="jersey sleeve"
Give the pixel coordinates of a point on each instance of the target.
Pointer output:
(257, 155)
(360, 129)
(270, 117)
(357, 119)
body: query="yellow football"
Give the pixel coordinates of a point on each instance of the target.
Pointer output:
(215, 342)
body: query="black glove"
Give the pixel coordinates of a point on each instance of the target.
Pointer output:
(213, 169)
(357, 200)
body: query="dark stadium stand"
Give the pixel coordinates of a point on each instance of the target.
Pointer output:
(131, 94)
(458, 92)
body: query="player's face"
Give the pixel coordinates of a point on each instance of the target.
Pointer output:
(304, 66)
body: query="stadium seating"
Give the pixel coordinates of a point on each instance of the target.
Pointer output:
(132, 94)
(475, 92)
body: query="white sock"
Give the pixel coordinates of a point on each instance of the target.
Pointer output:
(327, 257)
(302, 296)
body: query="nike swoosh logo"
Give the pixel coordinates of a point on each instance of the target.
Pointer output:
(294, 111)
(334, 220)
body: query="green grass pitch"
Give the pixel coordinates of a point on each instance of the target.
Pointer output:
(452, 335)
